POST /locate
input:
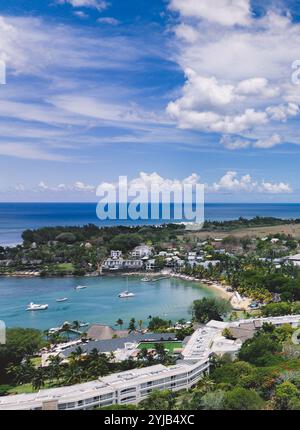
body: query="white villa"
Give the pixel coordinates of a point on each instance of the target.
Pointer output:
(115, 254)
(142, 251)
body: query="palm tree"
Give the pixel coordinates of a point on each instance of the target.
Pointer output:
(73, 374)
(120, 323)
(54, 338)
(140, 324)
(131, 326)
(54, 367)
(38, 380)
(160, 351)
(206, 385)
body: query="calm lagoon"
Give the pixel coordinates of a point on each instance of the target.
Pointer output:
(98, 303)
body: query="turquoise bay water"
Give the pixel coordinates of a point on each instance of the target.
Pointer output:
(99, 303)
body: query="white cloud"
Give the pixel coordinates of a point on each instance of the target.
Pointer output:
(108, 20)
(80, 186)
(283, 112)
(23, 41)
(232, 183)
(81, 14)
(146, 180)
(270, 188)
(43, 186)
(97, 4)
(224, 12)
(235, 143)
(258, 87)
(231, 142)
(229, 183)
(238, 71)
(273, 140)
(28, 151)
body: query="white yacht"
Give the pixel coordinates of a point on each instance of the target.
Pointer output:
(126, 294)
(35, 307)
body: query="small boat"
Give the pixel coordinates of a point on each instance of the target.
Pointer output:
(146, 279)
(63, 299)
(126, 294)
(35, 307)
(80, 287)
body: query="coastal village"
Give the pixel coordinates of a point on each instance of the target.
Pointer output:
(255, 279)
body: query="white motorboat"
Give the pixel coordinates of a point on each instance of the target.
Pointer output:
(126, 294)
(63, 299)
(146, 279)
(35, 307)
(80, 287)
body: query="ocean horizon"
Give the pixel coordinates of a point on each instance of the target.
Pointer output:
(17, 217)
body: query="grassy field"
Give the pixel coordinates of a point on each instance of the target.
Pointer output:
(170, 346)
(288, 229)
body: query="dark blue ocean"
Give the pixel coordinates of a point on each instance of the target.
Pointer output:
(17, 217)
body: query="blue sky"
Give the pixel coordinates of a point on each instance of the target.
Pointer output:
(171, 88)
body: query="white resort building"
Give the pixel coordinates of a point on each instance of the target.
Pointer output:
(132, 386)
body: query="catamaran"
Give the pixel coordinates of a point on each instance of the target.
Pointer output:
(35, 307)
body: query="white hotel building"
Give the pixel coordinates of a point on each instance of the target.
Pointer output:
(128, 387)
(132, 386)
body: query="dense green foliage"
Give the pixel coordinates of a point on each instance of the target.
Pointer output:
(20, 342)
(208, 309)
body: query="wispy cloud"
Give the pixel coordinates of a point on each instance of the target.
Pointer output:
(108, 20)
(96, 4)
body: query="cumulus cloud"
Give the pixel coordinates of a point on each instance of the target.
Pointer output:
(224, 12)
(236, 82)
(273, 140)
(231, 182)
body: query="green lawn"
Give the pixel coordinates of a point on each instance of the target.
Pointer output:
(27, 388)
(170, 346)
(65, 267)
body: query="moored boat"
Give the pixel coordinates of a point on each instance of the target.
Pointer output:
(36, 307)
(126, 294)
(80, 287)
